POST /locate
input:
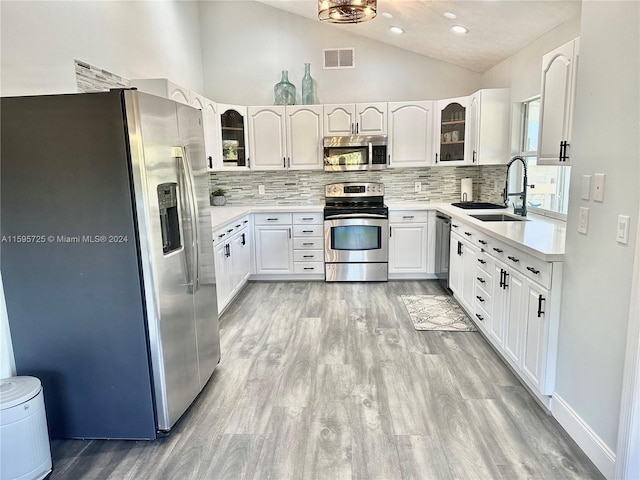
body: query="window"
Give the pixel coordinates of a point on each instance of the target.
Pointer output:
(548, 186)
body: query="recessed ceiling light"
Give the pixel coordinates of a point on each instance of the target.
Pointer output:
(449, 15)
(396, 29)
(387, 15)
(459, 29)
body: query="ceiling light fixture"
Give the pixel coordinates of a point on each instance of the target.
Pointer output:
(397, 30)
(450, 15)
(459, 29)
(346, 11)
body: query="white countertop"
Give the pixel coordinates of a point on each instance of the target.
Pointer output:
(539, 236)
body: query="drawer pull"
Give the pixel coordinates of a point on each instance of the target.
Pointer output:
(245, 221)
(307, 231)
(468, 234)
(309, 268)
(453, 225)
(514, 259)
(481, 280)
(483, 262)
(308, 256)
(480, 298)
(533, 270)
(499, 250)
(482, 242)
(238, 226)
(272, 219)
(308, 244)
(222, 235)
(230, 230)
(407, 216)
(307, 218)
(480, 317)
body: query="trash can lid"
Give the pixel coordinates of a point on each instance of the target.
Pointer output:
(17, 390)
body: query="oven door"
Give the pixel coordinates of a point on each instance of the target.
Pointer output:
(356, 240)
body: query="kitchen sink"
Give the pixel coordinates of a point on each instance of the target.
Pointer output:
(477, 205)
(498, 217)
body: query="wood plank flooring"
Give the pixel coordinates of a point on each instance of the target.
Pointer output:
(331, 381)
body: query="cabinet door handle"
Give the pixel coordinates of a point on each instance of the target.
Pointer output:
(389, 159)
(505, 286)
(227, 250)
(284, 162)
(502, 272)
(480, 298)
(482, 242)
(289, 232)
(513, 259)
(244, 239)
(481, 280)
(498, 250)
(474, 156)
(210, 160)
(533, 270)
(390, 235)
(483, 262)
(248, 162)
(436, 158)
(468, 234)
(459, 248)
(480, 317)
(540, 300)
(289, 161)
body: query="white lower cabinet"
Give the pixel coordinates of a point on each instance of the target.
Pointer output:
(510, 296)
(408, 244)
(232, 257)
(273, 237)
(308, 244)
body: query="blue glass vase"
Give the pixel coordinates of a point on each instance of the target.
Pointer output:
(307, 86)
(284, 91)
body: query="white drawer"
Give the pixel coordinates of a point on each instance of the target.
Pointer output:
(230, 229)
(308, 267)
(483, 279)
(315, 218)
(311, 243)
(483, 299)
(308, 255)
(272, 218)
(480, 316)
(408, 217)
(308, 230)
(538, 270)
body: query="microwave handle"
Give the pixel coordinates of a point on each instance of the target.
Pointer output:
(370, 154)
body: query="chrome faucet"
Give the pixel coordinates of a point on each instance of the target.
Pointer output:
(523, 194)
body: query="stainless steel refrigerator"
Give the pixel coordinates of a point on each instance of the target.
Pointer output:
(107, 258)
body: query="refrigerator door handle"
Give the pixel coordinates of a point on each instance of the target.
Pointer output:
(195, 260)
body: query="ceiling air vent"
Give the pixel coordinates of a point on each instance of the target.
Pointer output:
(339, 58)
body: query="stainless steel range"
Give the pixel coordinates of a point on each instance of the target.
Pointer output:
(356, 232)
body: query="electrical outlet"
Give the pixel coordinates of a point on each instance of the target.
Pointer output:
(260, 189)
(622, 232)
(417, 187)
(598, 187)
(583, 220)
(495, 186)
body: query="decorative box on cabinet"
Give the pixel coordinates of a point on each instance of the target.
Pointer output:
(559, 74)
(355, 119)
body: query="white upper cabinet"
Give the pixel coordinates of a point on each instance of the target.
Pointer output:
(559, 71)
(210, 127)
(355, 119)
(410, 134)
(163, 88)
(286, 137)
(451, 132)
(488, 127)
(267, 138)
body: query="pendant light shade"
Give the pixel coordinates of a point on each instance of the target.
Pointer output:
(346, 11)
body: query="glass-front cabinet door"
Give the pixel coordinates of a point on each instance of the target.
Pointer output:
(234, 141)
(451, 130)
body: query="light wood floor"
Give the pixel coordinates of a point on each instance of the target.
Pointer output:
(331, 381)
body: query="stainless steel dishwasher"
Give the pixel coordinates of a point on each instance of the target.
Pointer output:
(443, 234)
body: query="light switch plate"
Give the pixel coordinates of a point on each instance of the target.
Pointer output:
(417, 187)
(586, 187)
(260, 189)
(583, 220)
(598, 187)
(622, 232)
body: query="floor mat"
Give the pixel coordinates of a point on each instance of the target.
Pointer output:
(437, 312)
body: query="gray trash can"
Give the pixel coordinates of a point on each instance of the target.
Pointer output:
(25, 453)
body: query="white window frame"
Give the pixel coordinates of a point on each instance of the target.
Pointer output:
(534, 154)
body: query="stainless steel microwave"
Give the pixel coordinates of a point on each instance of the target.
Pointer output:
(355, 152)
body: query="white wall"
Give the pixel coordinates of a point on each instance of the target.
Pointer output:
(41, 39)
(246, 44)
(598, 271)
(7, 364)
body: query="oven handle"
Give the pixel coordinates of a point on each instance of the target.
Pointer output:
(354, 215)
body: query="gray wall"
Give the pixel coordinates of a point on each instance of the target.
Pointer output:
(246, 44)
(598, 271)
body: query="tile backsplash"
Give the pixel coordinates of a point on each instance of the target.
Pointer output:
(439, 184)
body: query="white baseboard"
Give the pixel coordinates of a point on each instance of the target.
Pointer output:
(591, 444)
